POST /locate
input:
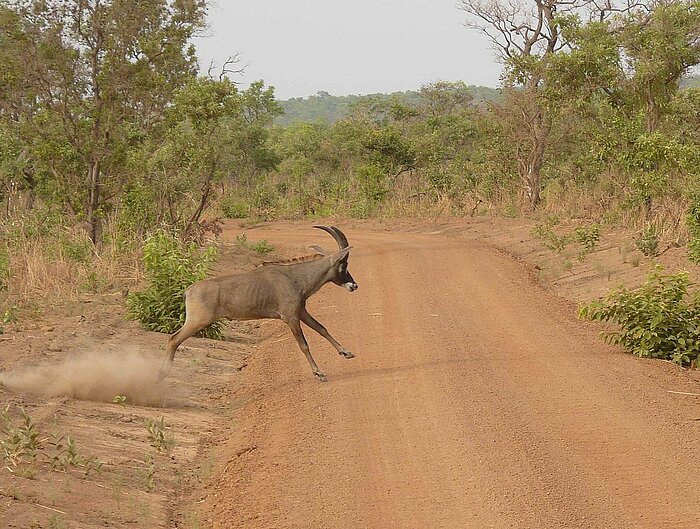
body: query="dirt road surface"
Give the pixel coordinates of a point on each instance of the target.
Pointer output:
(476, 400)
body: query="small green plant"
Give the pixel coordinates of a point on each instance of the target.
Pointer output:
(648, 242)
(149, 475)
(550, 238)
(65, 454)
(10, 315)
(160, 435)
(93, 282)
(170, 267)
(661, 319)
(19, 445)
(588, 238)
(119, 399)
(262, 246)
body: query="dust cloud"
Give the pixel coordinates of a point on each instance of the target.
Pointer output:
(94, 376)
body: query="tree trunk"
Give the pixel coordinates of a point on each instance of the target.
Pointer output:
(532, 160)
(533, 176)
(203, 201)
(94, 223)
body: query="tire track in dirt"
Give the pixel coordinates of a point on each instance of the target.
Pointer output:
(476, 400)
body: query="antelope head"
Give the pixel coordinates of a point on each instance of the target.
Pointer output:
(341, 275)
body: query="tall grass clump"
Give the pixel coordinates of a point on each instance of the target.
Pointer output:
(45, 256)
(169, 267)
(661, 319)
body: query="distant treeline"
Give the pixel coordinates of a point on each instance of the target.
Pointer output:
(327, 108)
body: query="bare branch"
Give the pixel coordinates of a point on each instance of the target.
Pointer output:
(226, 69)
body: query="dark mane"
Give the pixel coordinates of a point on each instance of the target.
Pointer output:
(293, 260)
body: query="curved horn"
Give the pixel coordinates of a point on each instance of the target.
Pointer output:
(338, 235)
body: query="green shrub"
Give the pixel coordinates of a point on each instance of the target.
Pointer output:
(262, 246)
(659, 320)
(76, 249)
(170, 268)
(648, 242)
(373, 182)
(693, 222)
(550, 238)
(588, 238)
(234, 208)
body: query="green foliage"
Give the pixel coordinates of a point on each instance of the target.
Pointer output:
(149, 473)
(588, 237)
(262, 246)
(660, 320)
(160, 435)
(79, 100)
(170, 267)
(550, 238)
(22, 444)
(329, 109)
(19, 444)
(10, 314)
(648, 242)
(66, 454)
(4, 268)
(373, 182)
(76, 249)
(693, 222)
(233, 207)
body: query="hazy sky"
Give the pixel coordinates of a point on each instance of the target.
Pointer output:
(347, 46)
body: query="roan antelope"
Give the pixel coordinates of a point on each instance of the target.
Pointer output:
(274, 290)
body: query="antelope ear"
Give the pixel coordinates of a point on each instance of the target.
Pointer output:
(318, 249)
(342, 254)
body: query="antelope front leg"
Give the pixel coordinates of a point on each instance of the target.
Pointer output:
(295, 326)
(309, 320)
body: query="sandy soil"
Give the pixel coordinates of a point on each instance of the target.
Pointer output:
(476, 399)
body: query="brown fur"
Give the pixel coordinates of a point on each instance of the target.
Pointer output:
(276, 290)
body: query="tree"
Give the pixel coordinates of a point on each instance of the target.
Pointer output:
(526, 35)
(212, 133)
(100, 74)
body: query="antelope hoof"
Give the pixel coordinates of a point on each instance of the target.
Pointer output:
(164, 371)
(321, 377)
(347, 354)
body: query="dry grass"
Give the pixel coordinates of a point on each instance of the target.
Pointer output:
(62, 264)
(605, 202)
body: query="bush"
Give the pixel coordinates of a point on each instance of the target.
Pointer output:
(648, 242)
(693, 222)
(234, 208)
(659, 320)
(588, 238)
(170, 267)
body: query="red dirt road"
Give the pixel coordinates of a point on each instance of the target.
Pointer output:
(476, 400)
